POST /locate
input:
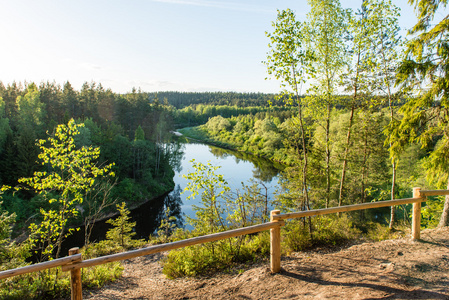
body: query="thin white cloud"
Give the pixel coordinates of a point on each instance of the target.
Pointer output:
(220, 5)
(153, 84)
(90, 66)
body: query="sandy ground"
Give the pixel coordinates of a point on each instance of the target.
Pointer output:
(392, 269)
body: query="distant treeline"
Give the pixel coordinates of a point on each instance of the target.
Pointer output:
(183, 99)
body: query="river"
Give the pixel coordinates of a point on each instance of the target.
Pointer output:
(236, 167)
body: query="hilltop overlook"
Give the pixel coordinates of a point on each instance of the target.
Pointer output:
(390, 269)
(357, 118)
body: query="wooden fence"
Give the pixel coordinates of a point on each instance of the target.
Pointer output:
(74, 262)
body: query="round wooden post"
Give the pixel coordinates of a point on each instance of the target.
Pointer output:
(75, 279)
(416, 219)
(275, 245)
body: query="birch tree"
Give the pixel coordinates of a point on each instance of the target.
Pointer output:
(355, 79)
(386, 43)
(286, 61)
(326, 28)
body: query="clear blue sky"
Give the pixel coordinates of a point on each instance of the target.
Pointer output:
(157, 45)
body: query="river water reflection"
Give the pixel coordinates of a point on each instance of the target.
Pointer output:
(236, 167)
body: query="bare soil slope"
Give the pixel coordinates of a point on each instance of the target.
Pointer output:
(393, 269)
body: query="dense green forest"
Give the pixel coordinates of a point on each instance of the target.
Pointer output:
(126, 128)
(362, 117)
(132, 131)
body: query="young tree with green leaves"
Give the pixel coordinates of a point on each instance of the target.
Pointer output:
(424, 72)
(286, 61)
(355, 78)
(70, 173)
(212, 186)
(386, 43)
(325, 31)
(168, 224)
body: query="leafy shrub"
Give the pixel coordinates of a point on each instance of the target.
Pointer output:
(104, 247)
(379, 232)
(295, 237)
(52, 283)
(431, 212)
(326, 231)
(215, 256)
(99, 275)
(333, 230)
(47, 284)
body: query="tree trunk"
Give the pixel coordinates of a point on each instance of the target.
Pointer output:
(390, 105)
(328, 156)
(303, 141)
(393, 168)
(364, 168)
(393, 191)
(345, 159)
(348, 138)
(444, 221)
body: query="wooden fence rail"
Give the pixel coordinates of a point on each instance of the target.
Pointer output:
(362, 206)
(41, 266)
(74, 262)
(426, 193)
(170, 246)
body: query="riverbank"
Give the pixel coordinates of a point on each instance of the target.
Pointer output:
(195, 133)
(398, 268)
(200, 135)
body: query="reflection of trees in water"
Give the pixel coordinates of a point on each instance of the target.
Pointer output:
(148, 216)
(219, 152)
(175, 152)
(265, 173)
(173, 201)
(265, 170)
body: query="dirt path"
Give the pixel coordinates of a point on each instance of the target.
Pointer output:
(393, 269)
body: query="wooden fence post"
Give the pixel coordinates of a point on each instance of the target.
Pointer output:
(416, 219)
(275, 245)
(75, 279)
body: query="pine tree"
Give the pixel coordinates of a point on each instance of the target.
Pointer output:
(424, 73)
(122, 232)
